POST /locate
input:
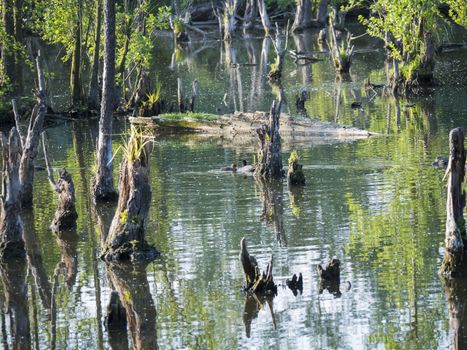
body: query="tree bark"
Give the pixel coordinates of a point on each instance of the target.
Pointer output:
(75, 84)
(303, 15)
(264, 16)
(126, 235)
(11, 225)
(453, 263)
(103, 187)
(131, 284)
(269, 155)
(93, 98)
(15, 291)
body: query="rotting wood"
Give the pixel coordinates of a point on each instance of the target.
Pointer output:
(65, 215)
(11, 224)
(269, 165)
(453, 262)
(126, 239)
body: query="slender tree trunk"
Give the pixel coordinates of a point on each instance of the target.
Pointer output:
(230, 22)
(11, 225)
(251, 12)
(19, 40)
(93, 98)
(303, 15)
(75, 85)
(103, 185)
(264, 16)
(453, 263)
(8, 56)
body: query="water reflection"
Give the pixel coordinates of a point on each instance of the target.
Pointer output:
(456, 294)
(253, 305)
(15, 303)
(131, 284)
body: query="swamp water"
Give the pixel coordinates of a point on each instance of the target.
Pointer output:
(376, 204)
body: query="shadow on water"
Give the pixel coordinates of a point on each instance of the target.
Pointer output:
(130, 282)
(13, 275)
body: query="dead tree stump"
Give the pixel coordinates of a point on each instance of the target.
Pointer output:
(65, 215)
(453, 261)
(330, 278)
(295, 176)
(269, 164)
(11, 225)
(126, 235)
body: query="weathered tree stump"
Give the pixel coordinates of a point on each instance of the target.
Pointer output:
(453, 262)
(341, 55)
(269, 165)
(11, 225)
(295, 176)
(126, 235)
(256, 281)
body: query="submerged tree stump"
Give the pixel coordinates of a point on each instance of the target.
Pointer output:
(256, 281)
(330, 278)
(453, 262)
(295, 176)
(11, 225)
(126, 235)
(269, 155)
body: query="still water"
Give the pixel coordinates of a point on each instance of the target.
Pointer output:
(376, 204)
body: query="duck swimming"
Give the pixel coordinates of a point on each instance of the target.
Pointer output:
(246, 168)
(232, 167)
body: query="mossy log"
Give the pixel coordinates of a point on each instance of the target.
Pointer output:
(11, 224)
(126, 235)
(453, 262)
(256, 281)
(269, 165)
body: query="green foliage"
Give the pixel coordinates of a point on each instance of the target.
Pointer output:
(293, 158)
(124, 217)
(135, 147)
(155, 96)
(458, 11)
(190, 115)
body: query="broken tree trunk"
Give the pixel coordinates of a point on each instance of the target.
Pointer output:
(275, 74)
(11, 225)
(269, 155)
(341, 55)
(26, 169)
(103, 186)
(295, 174)
(229, 20)
(126, 235)
(453, 262)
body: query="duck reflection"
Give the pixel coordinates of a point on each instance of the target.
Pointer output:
(253, 304)
(13, 275)
(271, 196)
(130, 283)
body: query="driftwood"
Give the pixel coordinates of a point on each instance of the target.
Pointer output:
(126, 235)
(295, 174)
(453, 262)
(256, 281)
(11, 225)
(269, 155)
(65, 215)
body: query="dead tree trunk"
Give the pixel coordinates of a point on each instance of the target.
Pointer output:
(126, 236)
(303, 15)
(93, 97)
(263, 12)
(295, 174)
(229, 20)
(453, 263)
(131, 284)
(341, 55)
(26, 170)
(11, 225)
(103, 187)
(269, 155)
(275, 74)
(251, 12)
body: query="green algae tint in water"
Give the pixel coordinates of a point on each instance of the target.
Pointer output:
(375, 204)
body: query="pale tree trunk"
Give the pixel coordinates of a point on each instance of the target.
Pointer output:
(15, 291)
(303, 15)
(453, 263)
(251, 12)
(11, 225)
(126, 235)
(103, 187)
(264, 16)
(131, 284)
(229, 20)
(269, 164)
(31, 143)
(93, 98)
